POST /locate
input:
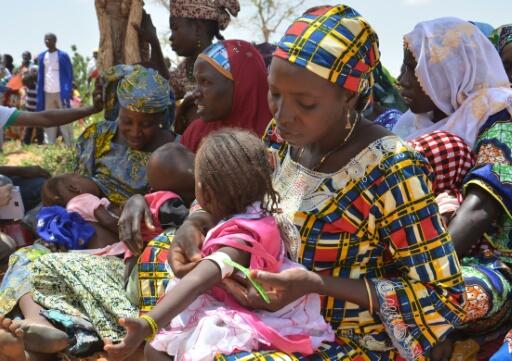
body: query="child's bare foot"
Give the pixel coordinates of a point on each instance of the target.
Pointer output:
(11, 340)
(40, 338)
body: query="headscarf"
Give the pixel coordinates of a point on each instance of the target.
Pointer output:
(501, 37)
(217, 10)
(250, 107)
(57, 226)
(459, 69)
(337, 44)
(450, 158)
(217, 55)
(140, 89)
(385, 91)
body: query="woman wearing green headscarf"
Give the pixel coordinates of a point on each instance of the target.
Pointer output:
(502, 39)
(114, 154)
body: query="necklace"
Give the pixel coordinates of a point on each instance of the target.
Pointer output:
(190, 71)
(332, 151)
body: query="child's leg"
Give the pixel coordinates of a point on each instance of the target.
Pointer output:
(39, 334)
(151, 354)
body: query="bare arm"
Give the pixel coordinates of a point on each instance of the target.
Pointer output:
(106, 219)
(53, 118)
(472, 219)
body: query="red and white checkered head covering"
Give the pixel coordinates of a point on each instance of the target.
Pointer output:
(450, 158)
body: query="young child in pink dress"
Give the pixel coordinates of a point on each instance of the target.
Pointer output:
(196, 318)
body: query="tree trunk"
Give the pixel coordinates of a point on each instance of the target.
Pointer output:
(119, 40)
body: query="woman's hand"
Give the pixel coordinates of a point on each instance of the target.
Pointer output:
(282, 288)
(33, 172)
(136, 331)
(183, 111)
(135, 211)
(185, 251)
(5, 194)
(146, 30)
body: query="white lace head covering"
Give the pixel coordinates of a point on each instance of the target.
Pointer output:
(461, 71)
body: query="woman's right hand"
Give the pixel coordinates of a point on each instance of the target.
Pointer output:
(135, 211)
(182, 120)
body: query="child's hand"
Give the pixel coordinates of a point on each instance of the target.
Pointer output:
(136, 330)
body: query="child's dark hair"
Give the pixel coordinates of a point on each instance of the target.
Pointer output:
(234, 165)
(50, 194)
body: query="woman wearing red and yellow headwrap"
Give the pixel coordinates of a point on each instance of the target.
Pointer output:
(357, 207)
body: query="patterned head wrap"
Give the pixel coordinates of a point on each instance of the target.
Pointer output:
(217, 55)
(501, 37)
(140, 89)
(337, 44)
(218, 10)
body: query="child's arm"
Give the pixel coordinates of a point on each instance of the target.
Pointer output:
(202, 278)
(106, 219)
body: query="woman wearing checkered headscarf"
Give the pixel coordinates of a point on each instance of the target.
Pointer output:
(357, 210)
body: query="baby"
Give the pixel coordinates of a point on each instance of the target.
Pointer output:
(169, 167)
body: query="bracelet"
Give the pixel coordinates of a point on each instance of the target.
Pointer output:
(370, 298)
(154, 326)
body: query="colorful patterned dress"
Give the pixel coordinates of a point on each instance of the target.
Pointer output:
(376, 218)
(118, 170)
(487, 274)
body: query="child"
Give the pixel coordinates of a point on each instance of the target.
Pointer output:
(81, 195)
(233, 183)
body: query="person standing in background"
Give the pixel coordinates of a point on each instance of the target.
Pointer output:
(30, 84)
(55, 86)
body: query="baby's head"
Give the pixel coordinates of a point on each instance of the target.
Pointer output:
(58, 191)
(171, 168)
(232, 172)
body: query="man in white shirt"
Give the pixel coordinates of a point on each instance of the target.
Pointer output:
(55, 84)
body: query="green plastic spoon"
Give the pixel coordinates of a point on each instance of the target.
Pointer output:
(247, 274)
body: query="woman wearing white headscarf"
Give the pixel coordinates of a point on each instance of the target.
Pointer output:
(453, 80)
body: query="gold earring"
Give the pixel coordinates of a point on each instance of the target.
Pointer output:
(199, 43)
(348, 125)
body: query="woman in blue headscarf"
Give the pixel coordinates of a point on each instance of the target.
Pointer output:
(114, 154)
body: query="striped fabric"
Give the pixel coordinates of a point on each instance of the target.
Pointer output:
(153, 276)
(217, 55)
(377, 219)
(335, 43)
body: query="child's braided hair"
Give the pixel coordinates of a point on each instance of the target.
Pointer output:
(234, 166)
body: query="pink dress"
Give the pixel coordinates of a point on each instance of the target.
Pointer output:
(215, 323)
(85, 205)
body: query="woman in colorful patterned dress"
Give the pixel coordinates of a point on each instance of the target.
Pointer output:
(453, 80)
(114, 154)
(357, 200)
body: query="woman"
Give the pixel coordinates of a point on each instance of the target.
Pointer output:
(231, 91)
(453, 80)
(361, 216)
(194, 25)
(502, 39)
(115, 154)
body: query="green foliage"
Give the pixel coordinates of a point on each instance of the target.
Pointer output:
(58, 159)
(80, 74)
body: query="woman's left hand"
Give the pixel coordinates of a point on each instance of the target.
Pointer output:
(282, 288)
(136, 331)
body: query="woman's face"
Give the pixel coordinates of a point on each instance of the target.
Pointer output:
(138, 129)
(183, 36)
(412, 92)
(214, 92)
(306, 107)
(506, 58)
